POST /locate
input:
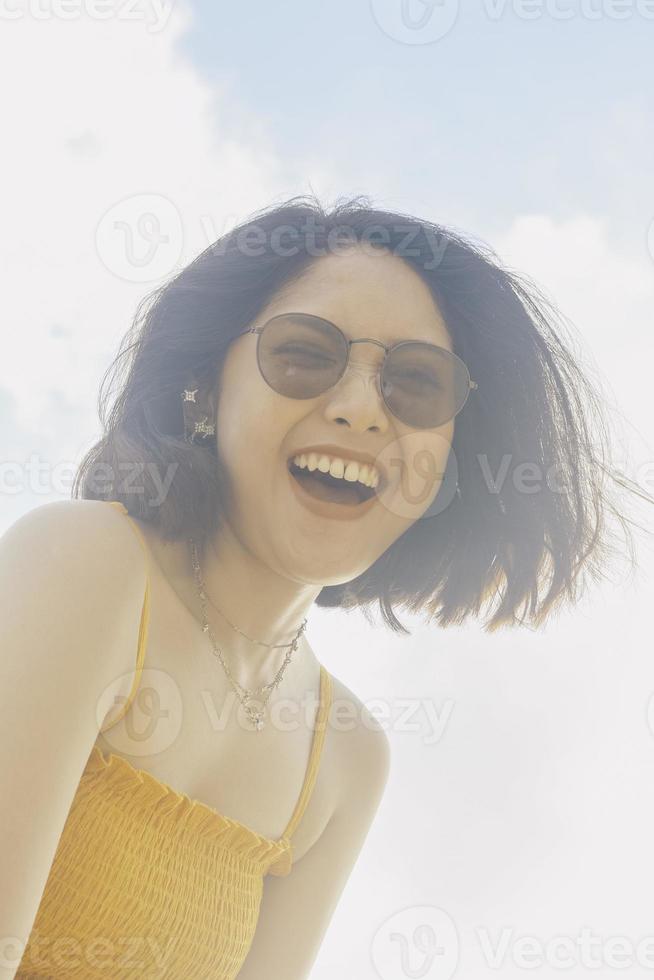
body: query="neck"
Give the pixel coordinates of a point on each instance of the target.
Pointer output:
(242, 591)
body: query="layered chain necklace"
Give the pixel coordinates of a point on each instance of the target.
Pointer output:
(244, 694)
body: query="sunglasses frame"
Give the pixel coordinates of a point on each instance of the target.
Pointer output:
(258, 330)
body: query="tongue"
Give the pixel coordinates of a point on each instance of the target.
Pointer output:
(323, 487)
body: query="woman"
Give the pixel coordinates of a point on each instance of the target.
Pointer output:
(315, 410)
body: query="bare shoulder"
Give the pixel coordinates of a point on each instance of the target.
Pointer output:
(82, 558)
(61, 515)
(362, 750)
(90, 528)
(70, 585)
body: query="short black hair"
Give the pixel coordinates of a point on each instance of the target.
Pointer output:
(534, 404)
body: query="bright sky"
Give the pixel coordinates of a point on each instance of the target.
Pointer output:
(132, 141)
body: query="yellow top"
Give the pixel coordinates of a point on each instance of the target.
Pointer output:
(147, 882)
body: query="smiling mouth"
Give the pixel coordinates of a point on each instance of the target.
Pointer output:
(323, 486)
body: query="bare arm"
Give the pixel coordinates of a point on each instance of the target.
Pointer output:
(296, 910)
(71, 589)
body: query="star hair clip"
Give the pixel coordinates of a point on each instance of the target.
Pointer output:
(204, 428)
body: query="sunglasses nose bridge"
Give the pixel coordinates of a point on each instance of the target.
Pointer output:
(373, 368)
(369, 340)
(367, 374)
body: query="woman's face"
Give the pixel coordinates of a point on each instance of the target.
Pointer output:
(366, 294)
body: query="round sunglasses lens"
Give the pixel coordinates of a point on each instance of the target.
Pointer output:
(424, 386)
(301, 356)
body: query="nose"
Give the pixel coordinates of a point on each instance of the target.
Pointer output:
(356, 400)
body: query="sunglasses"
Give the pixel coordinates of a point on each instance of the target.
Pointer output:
(301, 356)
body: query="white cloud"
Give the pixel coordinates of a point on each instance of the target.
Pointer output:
(606, 294)
(101, 111)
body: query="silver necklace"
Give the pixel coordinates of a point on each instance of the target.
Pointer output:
(244, 694)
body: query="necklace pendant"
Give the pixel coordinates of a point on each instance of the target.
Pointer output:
(256, 718)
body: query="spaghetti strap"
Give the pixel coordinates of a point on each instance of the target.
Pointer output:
(145, 621)
(320, 729)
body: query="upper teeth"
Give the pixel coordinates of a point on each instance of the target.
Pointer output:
(366, 473)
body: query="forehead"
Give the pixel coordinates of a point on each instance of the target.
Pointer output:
(366, 295)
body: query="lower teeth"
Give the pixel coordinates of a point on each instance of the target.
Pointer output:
(342, 492)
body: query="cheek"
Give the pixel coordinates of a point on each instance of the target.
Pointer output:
(429, 466)
(441, 449)
(419, 460)
(253, 422)
(425, 454)
(242, 399)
